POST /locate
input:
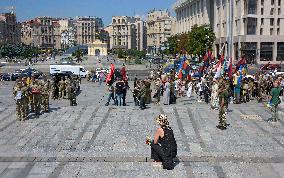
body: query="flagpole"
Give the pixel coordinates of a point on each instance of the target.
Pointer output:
(230, 31)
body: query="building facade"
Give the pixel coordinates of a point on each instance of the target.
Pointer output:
(127, 33)
(258, 26)
(87, 29)
(9, 29)
(159, 24)
(42, 32)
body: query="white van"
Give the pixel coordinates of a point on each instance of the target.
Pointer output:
(76, 70)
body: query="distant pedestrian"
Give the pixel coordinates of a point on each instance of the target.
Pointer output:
(119, 91)
(166, 94)
(275, 101)
(223, 98)
(110, 95)
(189, 89)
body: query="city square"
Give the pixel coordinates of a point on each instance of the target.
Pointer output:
(94, 140)
(176, 88)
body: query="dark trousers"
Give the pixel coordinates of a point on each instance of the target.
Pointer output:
(206, 97)
(123, 98)
(158, 154)
(142, 103)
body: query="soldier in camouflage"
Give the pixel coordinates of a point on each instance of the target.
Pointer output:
(36, 90)
(45, 95)
(223, 99)
(61, 88)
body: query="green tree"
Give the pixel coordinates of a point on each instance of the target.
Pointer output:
(120, 53)
(200, 38)
(172, 45)
(182, 44)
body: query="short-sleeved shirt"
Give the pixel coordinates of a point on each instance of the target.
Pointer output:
(275, 92)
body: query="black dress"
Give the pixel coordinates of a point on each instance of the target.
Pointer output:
(166, 149)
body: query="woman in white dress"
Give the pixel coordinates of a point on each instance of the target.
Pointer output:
(189, 89)
(214, 95)
(166, 96)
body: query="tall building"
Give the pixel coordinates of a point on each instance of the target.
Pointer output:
(141, 35)
(67, 32)
(9, 29)
(127, 33)
(87, 29)
(159, 24)
(258, 26)
(42, 32)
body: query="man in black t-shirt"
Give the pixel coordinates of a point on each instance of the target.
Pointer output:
(119, 87)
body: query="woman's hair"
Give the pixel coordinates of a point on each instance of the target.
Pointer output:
(162, 120)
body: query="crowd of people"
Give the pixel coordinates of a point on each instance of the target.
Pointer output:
(32, 95)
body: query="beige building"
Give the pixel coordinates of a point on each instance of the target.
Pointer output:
(9, 29)
(65, 24)
(87, 29)
(127, 33)
(159, 24)
(42, 32)
(258, 25)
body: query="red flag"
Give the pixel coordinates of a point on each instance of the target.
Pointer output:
(110, 75)
(180, 74)
(123, 73)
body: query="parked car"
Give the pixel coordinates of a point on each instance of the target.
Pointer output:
(16, 74)
(25, 73)
(6, 76)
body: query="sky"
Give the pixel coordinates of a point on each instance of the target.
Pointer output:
(29, 9)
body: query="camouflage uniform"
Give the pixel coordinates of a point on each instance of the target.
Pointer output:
(68, 88)
(45, 95)
(73, 93)
(61, 88)
(36, 97)
(223, 95)
(20, 92)
(25, 102)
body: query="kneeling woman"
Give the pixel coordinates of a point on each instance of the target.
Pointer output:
(164, 147)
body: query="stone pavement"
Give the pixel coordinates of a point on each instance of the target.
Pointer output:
(92, 140)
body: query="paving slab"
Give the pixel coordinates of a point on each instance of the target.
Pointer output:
(109, 141)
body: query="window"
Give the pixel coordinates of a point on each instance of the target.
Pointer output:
(266, 51)
(278, 31)
(262, 2)
(261, 31)
(271, 31)
(251, 26)
(279, 2)
(279, 11)
(278, 22)
(261, 11)
(280, 52)
(271, 11)
(272, 2)
(262, 21)
(251, 7)
(271, 22)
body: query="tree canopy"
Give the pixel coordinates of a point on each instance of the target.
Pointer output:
(195, 42)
